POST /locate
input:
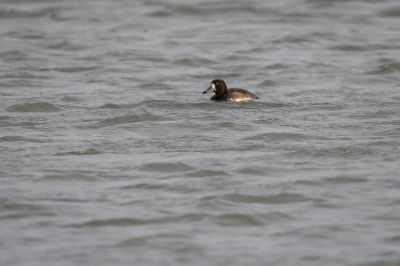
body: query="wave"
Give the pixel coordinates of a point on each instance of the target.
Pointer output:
(20, 138)
(214, 9)
(129, 221)
(207, 173)
(393, 12)
(194, 61)
(165, 167)
(345, 151)
(280, 198)
(279, 136)
(33, 107)
(236, 219)
(84, 152)
(126, 119)
(44, 12)
(17, 210)
(386, 68)
(14, 55)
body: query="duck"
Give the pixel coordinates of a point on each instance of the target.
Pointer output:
(223, 94)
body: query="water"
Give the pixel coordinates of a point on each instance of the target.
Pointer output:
(110, 154)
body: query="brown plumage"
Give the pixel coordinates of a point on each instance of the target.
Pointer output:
(222, 93)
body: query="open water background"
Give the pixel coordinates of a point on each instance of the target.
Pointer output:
(110, 154)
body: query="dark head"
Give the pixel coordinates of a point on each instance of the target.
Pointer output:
(218, 86)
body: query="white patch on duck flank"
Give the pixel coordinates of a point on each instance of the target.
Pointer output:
(241, 99)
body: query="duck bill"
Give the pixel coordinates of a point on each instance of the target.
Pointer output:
(207, 90)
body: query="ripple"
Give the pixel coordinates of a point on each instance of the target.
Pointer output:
(72, 175)
(270, 104)
(278, 136)
(33, 107)
(338, 152)
(276, 66)
(116, 222)
(236, 219)
(386, 68)
(212, 75)
(206, 10)
(254, 171)
(281, 198)
(266, 83)
(349, 48)
(340, 179)
(393, 239)
(277, 217)
(165, 167)
(128, 221)
(15, 210)
(125, 119)
(194, 61)
(206, 173)
(345, 180)
(71, 99)
(155, 86)
(140, 241)
(292, 39)
(311, 183)
(22, 75)
(173, 105)
(363, 48)
(146, 186)
(382, 262)
(111, 106)
(393, 12)
(73, 69)
(26, 34)
(10, 13)
(85, 152)
(324, 2)
(14, 55)
(64, 46)
(19, 138)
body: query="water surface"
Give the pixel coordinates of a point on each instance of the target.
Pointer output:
(110, 154)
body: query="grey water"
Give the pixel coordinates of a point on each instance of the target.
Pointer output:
(111, 155)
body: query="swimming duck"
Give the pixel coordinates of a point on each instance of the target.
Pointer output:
(222, 93)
